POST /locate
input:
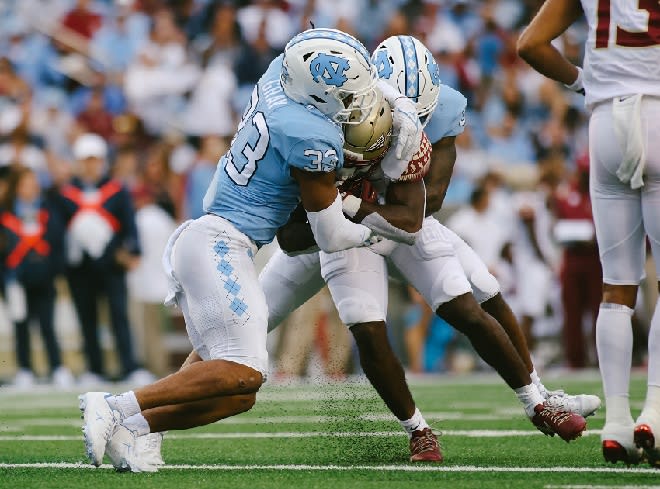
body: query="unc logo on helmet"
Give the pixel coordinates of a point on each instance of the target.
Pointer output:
(330, 69)
(433, 68)
(382, 62)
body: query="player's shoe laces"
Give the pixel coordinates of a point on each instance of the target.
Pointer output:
(100, 422)
(583, 404)
(551, 418)
(645, 438)
(618, 444)
(126, 450)
(424, 446)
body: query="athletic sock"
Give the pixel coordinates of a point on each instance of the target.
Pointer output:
(137, 424)
(652, 404)
(614, 339)
(416, 423)
(530, 397)
(536, 380)
(125, 403)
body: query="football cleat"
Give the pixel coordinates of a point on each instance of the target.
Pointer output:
(148, 446)
(583, 404)
(100, 422)
(551, 418)
(128, 453)
(644, 436)
(618, 444)
(424, 447)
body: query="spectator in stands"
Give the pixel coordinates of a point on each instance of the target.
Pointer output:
(102, 245)
(82, 20)
(94, 118)
(147, 283)
(32, 254)
(161, 75)
(581, 272)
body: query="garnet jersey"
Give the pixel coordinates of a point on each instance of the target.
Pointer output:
(622, 55)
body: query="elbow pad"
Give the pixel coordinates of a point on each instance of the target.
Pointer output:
(379, 225)
(333, 232)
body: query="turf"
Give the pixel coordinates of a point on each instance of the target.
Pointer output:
(326, 435)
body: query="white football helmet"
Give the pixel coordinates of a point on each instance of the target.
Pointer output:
(407, 65)
(332, 71)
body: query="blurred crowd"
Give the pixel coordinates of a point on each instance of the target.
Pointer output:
(150, 92)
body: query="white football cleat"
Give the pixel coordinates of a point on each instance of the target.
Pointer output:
(100, 422)
(24, 379)
(126, 451)
(618, 444)
(582, 404)
(647, 435)
(149, 448)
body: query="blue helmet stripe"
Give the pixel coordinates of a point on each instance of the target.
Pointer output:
(332, 35)
(411, 66)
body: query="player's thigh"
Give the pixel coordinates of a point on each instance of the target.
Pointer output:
(288, 282)
(226, 306)
(357, 279)
(616, 207)
(651, 189)
(484, 284)
(431, 266)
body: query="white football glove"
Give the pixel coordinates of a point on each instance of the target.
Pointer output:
(407, 130)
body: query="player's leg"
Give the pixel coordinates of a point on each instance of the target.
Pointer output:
(431, 266)
(620, 234)
(647, 427)
(486, 291)
(226, 317)
(357, 280)
(288, 282)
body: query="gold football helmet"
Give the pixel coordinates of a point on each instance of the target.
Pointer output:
(368, 141)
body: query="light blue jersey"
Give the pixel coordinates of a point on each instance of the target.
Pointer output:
(252, 186)
(448, 118)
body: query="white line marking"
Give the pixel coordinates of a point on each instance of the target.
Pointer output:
(591, 486)
(376, 468)
(303, 434)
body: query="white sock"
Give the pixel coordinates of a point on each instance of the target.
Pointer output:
(530, 397)
(614, 339)
(536, 380)
(137, 424)
(416, 423)
(125, 403)
(654, 347)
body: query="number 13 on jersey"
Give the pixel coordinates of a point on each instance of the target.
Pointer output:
(641, 20)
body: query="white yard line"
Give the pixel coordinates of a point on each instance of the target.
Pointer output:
(374, 468)
(600, 486)
(299, 434)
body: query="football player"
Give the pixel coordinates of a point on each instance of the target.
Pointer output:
(440, 265)
(287, 149)
(621, 81)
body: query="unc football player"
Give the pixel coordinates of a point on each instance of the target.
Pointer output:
(287, 149)
(621, 81)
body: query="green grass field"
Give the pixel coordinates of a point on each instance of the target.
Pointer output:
(326, 436)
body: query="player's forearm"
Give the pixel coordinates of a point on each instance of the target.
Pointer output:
(333, 232)
(534, 44)
(548, 61)
(399, 216)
